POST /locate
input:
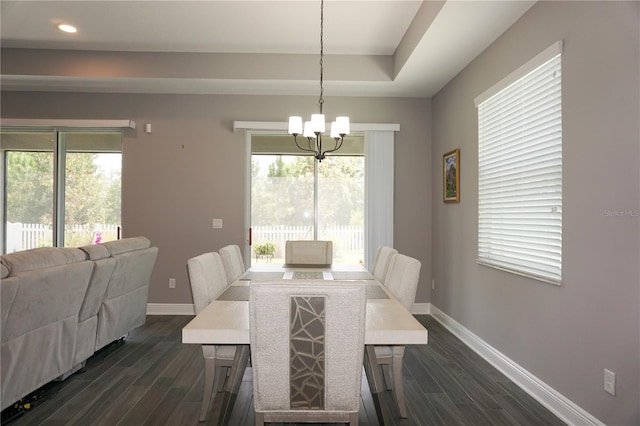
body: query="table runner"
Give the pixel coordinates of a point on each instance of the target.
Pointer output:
(262, 275)
(307, 275)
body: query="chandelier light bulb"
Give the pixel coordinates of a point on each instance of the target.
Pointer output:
(334, 130)
(308, 130)
(295, 125)
(317, 123)
(343, 125)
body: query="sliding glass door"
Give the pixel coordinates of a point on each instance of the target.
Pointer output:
(60, 188)
(295, 197)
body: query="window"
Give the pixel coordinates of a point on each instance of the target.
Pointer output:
(520, 170)
(61, 188)
(378, 146)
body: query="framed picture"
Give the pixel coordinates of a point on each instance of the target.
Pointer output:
(451, 176)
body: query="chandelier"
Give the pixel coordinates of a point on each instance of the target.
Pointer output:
(313, 129)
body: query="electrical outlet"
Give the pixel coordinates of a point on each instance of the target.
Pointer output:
(216, 224)
(610, 382)
(172, 283)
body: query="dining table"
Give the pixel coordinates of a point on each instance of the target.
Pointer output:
(225, 321)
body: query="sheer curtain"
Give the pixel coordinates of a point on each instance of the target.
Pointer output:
(379, 172)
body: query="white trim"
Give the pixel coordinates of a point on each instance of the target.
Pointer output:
(170, 309)
(542, 57)
(246, 249)
(281, 125)
(555, 402)
(50, 123)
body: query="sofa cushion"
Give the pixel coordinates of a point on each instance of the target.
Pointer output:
(5, 271)
(96, 251)
(8, 290)
(39, 333)
(127, 244)
(42, 257)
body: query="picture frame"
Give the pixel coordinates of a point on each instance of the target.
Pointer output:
(451, 176)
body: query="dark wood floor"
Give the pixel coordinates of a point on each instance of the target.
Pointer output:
(153, 379)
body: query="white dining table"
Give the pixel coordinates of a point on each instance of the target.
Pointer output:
(225, 321)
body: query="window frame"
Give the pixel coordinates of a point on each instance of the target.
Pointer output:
(537, 255)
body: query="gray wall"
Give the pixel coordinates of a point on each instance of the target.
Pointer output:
(190, 169)
(566, 335)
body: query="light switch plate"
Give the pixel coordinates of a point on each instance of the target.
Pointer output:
(610, 382)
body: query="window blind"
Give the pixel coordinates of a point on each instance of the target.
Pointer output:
(520, 172)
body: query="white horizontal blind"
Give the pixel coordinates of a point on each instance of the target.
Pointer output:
(520, 175)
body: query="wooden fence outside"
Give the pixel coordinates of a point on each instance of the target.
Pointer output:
(25, 236)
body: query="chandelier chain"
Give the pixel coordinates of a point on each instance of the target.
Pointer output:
(312, 130)
(321, 101)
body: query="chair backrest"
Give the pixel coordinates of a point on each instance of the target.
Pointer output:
(308, 252)
(381, 262)
(207, 278)
(402, 279)
(307, 345)
(232, 261)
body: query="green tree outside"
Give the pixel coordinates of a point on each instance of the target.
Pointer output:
(90, 196)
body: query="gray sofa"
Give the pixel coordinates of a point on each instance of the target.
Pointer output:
(58, 306)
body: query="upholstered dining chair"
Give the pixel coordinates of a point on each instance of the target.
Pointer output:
(308, 252)
(381, 262)
(307, 347)
(402, 281)
(232, 261)
(208, 280)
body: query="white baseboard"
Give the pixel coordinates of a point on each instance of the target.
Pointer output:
(558, 404)
(170, 309)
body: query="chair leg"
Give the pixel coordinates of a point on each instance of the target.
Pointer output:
(222, 373)
(209, 382)
(372, 369)
(386, 372)
(397, 385)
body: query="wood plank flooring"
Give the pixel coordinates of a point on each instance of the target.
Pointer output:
(153, 379)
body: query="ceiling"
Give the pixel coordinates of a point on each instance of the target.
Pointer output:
(372, 48)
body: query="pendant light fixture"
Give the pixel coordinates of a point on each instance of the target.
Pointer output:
(313, 129)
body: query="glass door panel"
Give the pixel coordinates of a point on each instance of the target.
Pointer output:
(28, 186)
(93, 164)
(282, 204)
(341, 206)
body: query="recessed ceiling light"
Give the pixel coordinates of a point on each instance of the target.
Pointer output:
(67, 28)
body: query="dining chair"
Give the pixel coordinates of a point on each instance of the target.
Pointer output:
(232, 261)
(381, 262)
(402, 281)
(308, 252)
(208, 280)
(307, 348)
